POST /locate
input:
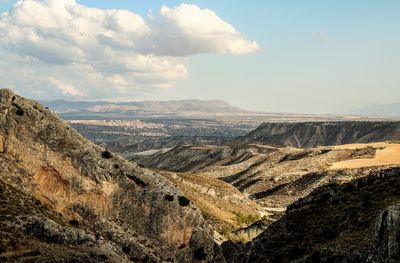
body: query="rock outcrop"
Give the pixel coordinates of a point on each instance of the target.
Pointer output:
(386, 240)
(313, 134)
(66, 199)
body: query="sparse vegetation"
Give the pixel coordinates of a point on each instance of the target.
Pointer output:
(84, 211)
(76, 184)
(241, 237)
(246, 219)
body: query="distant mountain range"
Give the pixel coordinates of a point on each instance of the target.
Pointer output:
(193, 109)
(132, 109)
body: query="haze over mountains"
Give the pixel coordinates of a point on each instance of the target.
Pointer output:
(132, 127)
(193, 108)
(137, 109)
(392, 109)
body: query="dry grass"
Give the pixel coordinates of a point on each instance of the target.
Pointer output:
(386, 154)
(216, 206)
(246, 219)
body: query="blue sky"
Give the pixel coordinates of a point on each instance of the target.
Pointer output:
(315, 57)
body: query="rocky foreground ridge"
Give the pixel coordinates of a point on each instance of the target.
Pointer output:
(65, 199)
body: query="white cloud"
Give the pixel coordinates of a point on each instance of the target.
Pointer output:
(65, 88)
(186, 30)
(69, 50)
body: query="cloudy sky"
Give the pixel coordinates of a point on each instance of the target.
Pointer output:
(307, 56)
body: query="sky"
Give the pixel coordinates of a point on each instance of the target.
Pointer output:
(309, 56)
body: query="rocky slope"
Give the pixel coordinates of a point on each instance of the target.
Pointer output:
(222, 205)
(68, 200)
(313, 134)
(353, 222)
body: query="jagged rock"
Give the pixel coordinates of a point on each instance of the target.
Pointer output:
(93, 190)
(49, 231)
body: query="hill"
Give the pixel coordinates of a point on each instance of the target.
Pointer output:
(68, 200)
(313, 134)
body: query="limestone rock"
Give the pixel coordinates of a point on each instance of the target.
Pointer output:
(97, 192)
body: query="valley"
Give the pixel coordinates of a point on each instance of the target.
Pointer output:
(134, 127)
(271, 177)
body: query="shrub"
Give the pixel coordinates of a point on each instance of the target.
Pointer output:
(246, 219)
(74, 222)
(106, 154)
(169, 198)
(126, 249)
(183, 201)
(19, 112)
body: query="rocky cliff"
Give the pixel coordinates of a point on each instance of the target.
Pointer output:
(68, 200)
(313, 134)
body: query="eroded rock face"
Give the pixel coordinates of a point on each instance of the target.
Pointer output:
(94, 190)
(387, 235)
(313, 134)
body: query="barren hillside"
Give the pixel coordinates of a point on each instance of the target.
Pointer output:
(313, 134)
